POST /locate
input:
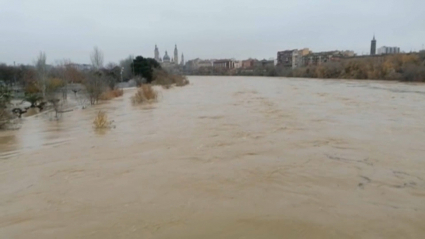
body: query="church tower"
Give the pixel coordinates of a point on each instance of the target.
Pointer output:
(182, 62)
(176, 55)
(157, 54)
(373, 46)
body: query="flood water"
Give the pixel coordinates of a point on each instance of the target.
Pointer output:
(225, 157)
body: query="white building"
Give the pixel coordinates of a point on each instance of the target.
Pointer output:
(388, 50)
(205, 63)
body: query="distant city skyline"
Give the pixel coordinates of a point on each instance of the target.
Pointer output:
(217, 29)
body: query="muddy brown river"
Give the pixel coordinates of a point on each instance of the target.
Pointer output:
(225, 157)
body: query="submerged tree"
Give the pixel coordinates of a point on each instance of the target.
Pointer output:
(94, 85)
(5, 97)
(93, 80)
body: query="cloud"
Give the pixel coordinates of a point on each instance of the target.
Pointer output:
(206, 29)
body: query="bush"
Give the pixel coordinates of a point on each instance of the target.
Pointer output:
(117, 92)
(101, 121)
(111, 94)
(181, 81)
(162, 77)
(412, 72)
(145, 93)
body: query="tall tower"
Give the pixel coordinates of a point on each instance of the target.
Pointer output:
(373, 46)
(156, 54)
(176, 55)
(182, 62)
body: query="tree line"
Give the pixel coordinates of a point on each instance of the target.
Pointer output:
(397, 67)
(41, 84)
(43, 79)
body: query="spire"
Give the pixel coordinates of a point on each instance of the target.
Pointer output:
(182, 61)
(156, 52)
(176, 55)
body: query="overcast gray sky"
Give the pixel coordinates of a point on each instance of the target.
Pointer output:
(206, 29)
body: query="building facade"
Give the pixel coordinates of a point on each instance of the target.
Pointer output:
(266, 63)
(247, 64)
(388, 50)
(205, 63)
(237, 64)
(348, 53)
(304, 52)
(197, 63)
(319, 58)
(192, 64)
(291, 58)
(224, 64)
(284, 58)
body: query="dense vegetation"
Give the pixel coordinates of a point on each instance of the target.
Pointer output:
(44, 86)
(144, 67)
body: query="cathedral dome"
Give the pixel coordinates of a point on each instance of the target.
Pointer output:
(166, 57)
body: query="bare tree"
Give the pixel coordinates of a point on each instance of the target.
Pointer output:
(41, 67)
(96, 58)
(62, 67)
(94, 85)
